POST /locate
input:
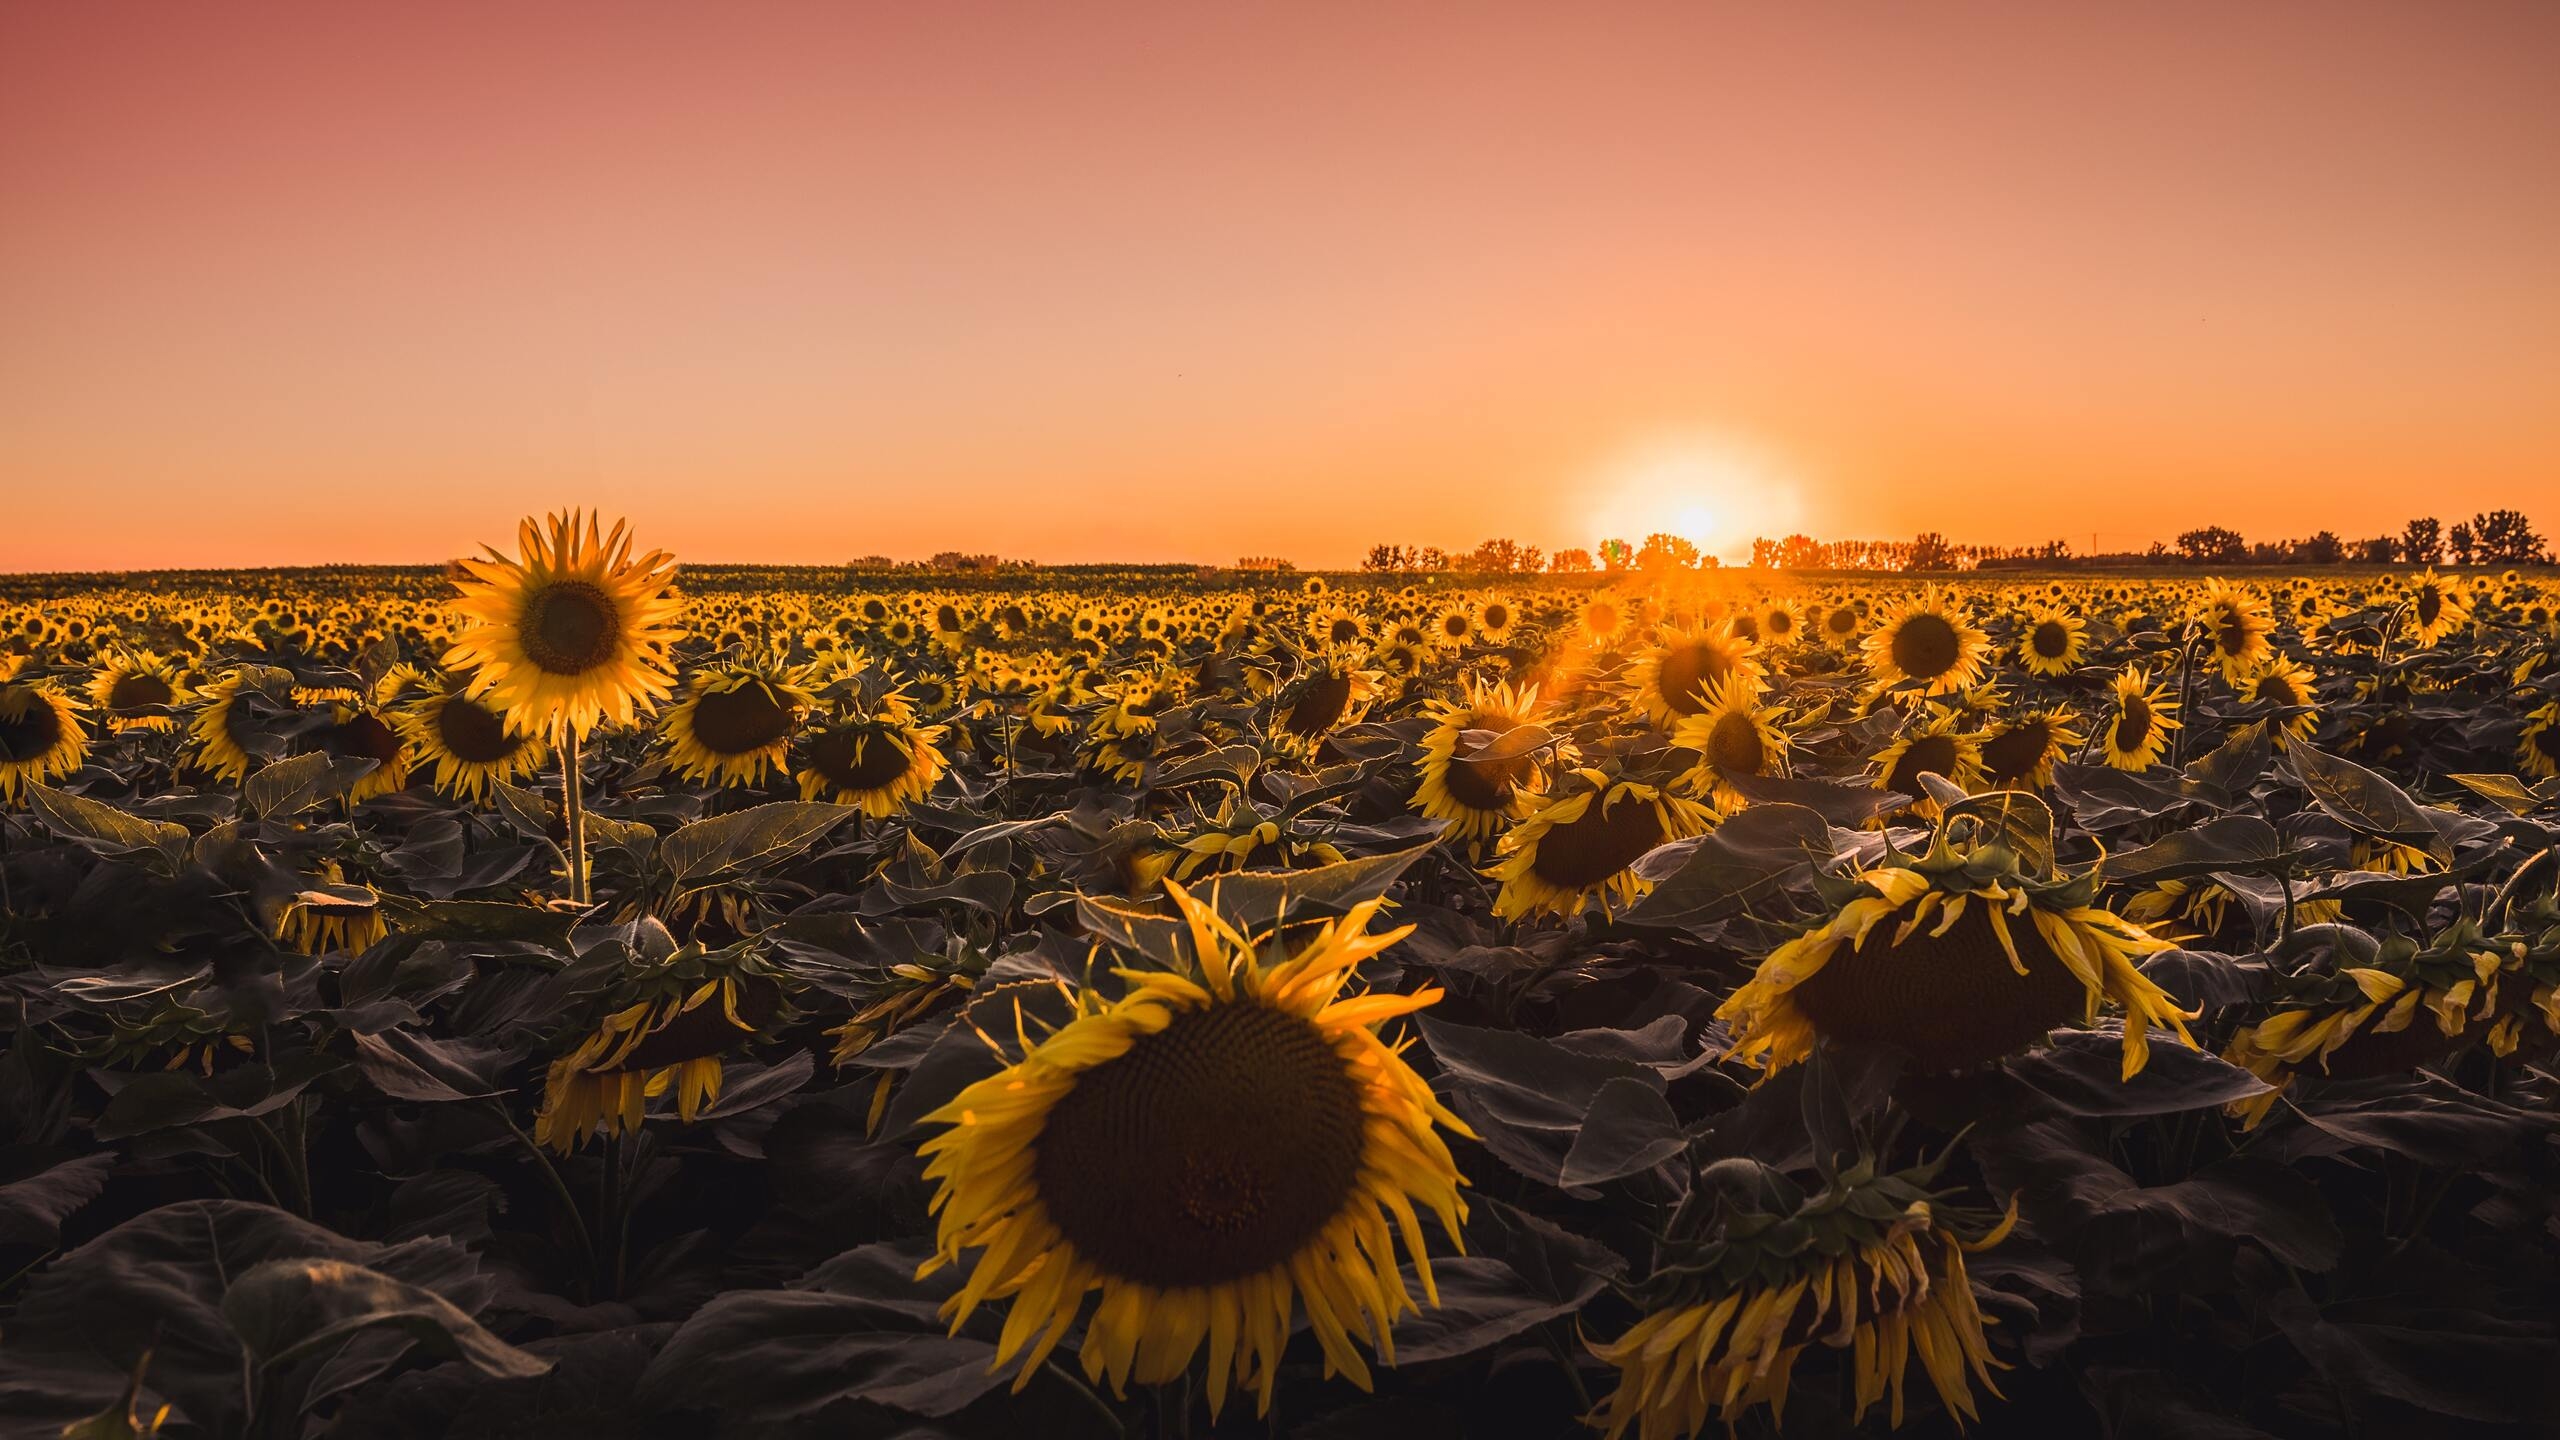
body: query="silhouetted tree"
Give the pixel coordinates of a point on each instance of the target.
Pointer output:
(2324, 548)
(2505, 537)
(2378, 550)
(2212, 545)
(2459, 541)
(1570, 562)
(1666, 552)
(2422, 541)
(1616, 555)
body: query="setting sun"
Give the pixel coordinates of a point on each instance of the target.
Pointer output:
(1716, 491)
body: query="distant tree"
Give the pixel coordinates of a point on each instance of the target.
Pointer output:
(1764, 553)
(2272, 552)
(2459, 541)
(1666, 552)
(2157, 552)
(1570, 562)
(1616, 555)
(871, 562)
(2212, 545)
(1265, 562)
(1503, 557)
(2324, 548)
(1930, 552)
(2505, 537)
(1387, 557)
(2422, 541)
(1431, 558)
(2054, 550)
(2378, 550)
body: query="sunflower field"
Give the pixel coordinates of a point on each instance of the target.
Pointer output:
(568, 996)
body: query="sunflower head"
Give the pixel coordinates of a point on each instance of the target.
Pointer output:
(2407, 1004)
(663, 1028)
(1476, 772)
(733, 723)
(571, 632)
(136, 691)
(41, 737)
(1927, 644)
(1583, 839)
(2134, 729)
(1935, 745)
(1672, 679)
(1732, 739)
(2051, 642)
(875, 756)
(466, 740)
(2020, 753)
(1755, 1270)
(1211, 1150)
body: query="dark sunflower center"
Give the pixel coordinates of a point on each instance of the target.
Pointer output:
(1841, 622)
(132, 692)
(570, 627)
(1454, 626)
(856, 759)
(2133, 723)
(473, 732)
(1497, 616)
(1483, 784)
(1746, 626)
(1928, 755)
(1343, 631)
(2546, 741)
(2430, 605)
(1734, 747)
(946, 617)
(2277, 690)
(740, 721)
(1779, 622)
(1688, 671)
(2235, 635)
(1319, 705)
(364, 735)
(2013, 754)
(1601, 617)
(29, 728)
(2051, 639)
(1584, 852)
(1925, 646)
(1212, 1150)
(1951, 1002)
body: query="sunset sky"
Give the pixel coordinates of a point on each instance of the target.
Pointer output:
(286, 283)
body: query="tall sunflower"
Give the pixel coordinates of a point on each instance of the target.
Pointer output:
(2136, 727)
(1210, 1151)
(1927, 642)
(1956, 958)
(2436, 608)
(2236, 619)
(1584, 840)
(41, 737)
(1756, 1272)
(733, 724)
(572, 632)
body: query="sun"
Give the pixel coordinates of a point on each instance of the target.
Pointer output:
(1715, 490)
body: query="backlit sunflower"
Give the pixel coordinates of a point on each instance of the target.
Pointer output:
(2020, 753)
(467, 741)
(733, 724)
(135, 683)
(331, 917)
(1939, 746)
(1583, 841)
(1927, 643)
(2051, 643)
(1604, 620)
(1956, 958)
(1731, 738)
(2412, 1006)
(2280, 682)
(1453, 627)
(220, 748)
(1840, 625)
(1756, 1272)
(1496, 618)
(2135, 728)
(2436, 608)
(1210, 1151)
(572, 632)
(41, 737)
(358, 731)
(2538, 749)
(666, 1031)
(1332, 692)
(1779, 624)
(1479, 798)
(1672, 679)
(879, 759)
(2236, 619)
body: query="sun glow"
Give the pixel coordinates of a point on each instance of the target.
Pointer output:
(1716, 491)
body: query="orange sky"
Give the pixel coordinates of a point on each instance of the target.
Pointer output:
(365, 281)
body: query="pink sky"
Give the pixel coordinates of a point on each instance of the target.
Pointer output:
(351, 281)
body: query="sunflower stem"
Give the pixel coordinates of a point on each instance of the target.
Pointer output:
(574, 801)
(559, 1190)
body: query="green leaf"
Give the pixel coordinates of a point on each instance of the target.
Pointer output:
(2016, 819)
(289, 1310)
(104, 830)
(2364, 801)
(748, 839)
(290, 786)
(165, 1099)
(2239, 844)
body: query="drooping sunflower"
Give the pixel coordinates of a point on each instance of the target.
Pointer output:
(358, 731)
(2280, 682)
(215, 734)
(1672, 679)
(665, 1030)
(1583, 841)
(2236, 619)
(1927, 642)
(1332, 692)
(467, 741)
(2435, 608)
(2366, 1020)
(2020, 753)
(41, 737)
(1731, 737)
(879, 759)
(2538, 748)
(2051, 643)
(1939, 746)
(733, 724)
(572, 632)
(1479, 798)
(332, 917)
(2136, 727)
(1241, 837)
(1757, 1272)
(133, 684)
(1210, 1151)
(1956, 958)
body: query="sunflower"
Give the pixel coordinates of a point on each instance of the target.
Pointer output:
(880, 760)
(733, 724)
(332, 917)
(1731, 738)
(1209, 1151)
(1956, 958)
(2136, 727)
(2412, 1006)
(129, 691)
(2237, 620)
(1584, 840)
(571, 633)
(2279, 682)
(1929, 643)
(667, 1032)
(1603, 620)
(2020, 754)
(1337, 627)
(1331, 693)
(1757, 1272)
(1479, 798)
(1241, 837)
(1673, 678)
(41, 737)
(1841, 624)
(2051, 643)
(1778, 623)
(1937, 747)
(219, 750)
(467, 741)
(1453, 627)
(2435, 609)
(358, 731)
(1496, 618)
(2538, 749)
